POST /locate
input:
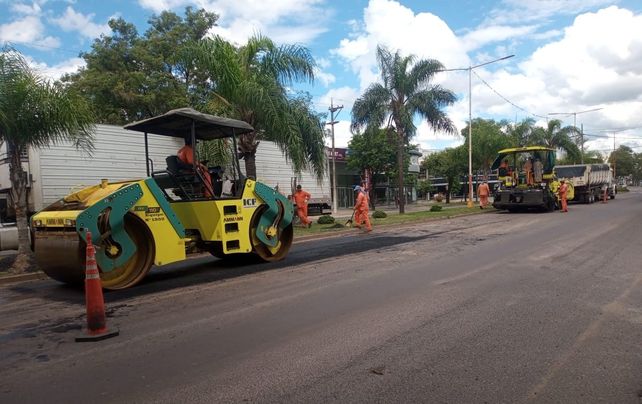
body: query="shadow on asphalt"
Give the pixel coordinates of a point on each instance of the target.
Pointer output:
(209, 269)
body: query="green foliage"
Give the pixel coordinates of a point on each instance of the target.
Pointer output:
(405, 92)
(129, 76)
(379, 214)
(625, 161)
(558, 137)
(216, 152)
(373, 150)
(325, 219)
(35, 112)
(436, 208)
(423, 187)
(252, 84)
(450, 164)
(487, 139)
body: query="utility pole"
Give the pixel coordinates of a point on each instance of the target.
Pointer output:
(582, 144)
(575, 113)
(469, 69)
(332, 122)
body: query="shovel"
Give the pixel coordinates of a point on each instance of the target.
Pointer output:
(349, 222)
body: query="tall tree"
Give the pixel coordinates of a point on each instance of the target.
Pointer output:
(376, 151)
(450, 164)
(129, 76)
(623, 160)
(35, 113)
(405, 92)
(521, 134)
(559, 138)
(251, 83)
(488, 138)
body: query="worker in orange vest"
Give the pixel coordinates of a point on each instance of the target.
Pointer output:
(301, 199)
(483, 192)
(562, 194)
(361, 209)
(186, 155)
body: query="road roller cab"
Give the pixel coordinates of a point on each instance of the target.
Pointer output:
(178, 210)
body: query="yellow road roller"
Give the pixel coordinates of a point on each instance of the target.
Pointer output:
(180, 210)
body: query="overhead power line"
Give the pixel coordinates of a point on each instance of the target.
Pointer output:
(507, 100)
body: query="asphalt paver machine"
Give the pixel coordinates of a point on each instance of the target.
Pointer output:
(526, 179)
(161, 219)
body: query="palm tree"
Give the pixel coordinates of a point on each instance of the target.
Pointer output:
(521, 133)
(34, 113)
(405, 92)
(559, 138)
(251, 83)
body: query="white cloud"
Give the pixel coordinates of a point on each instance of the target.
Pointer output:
(29, 31)
(284, 21)
(72, 20)
(58, 70)
(26, 9)
(325, 78)
(520, 11)
(339, 96)
(594, 62)
(485, 35)
(391, 24)
(342, 134)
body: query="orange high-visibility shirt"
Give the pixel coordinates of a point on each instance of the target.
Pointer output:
(362, 201)
(186, 154)
(300, 197)
(483, 190)
(563, 190)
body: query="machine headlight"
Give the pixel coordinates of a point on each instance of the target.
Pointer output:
(70, 223)
(37, 223)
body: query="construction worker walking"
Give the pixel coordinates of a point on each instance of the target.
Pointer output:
(562, 192)
(483, 192)
(361, 209)
(301, 199)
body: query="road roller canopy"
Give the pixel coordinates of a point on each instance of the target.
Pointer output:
(180, 122)
(545, 154)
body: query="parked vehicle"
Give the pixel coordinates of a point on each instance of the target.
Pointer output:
(589, 181)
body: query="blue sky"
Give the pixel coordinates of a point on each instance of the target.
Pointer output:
(570, 55)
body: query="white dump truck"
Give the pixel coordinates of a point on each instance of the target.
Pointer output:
(590, 181)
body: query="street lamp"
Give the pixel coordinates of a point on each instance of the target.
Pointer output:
(470, 120)
(575, 126)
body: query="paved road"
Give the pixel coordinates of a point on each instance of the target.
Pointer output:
(495, 308)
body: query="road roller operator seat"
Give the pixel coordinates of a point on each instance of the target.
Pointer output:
(190, 186)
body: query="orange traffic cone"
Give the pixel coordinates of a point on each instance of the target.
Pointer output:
(96, 319)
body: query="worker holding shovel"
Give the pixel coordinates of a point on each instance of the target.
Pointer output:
(361, 209)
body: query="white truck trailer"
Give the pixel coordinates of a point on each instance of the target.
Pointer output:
(589, 181)
(120, 155)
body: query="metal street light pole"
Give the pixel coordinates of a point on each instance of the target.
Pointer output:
(332, 122)
(575, 126)
(470, 120)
